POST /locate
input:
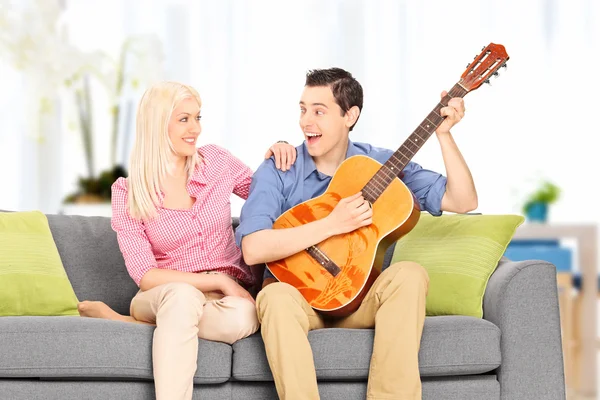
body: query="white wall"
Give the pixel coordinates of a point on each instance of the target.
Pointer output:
(10, 139)
(248, 60)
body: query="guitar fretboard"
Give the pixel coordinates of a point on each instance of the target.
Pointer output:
(392, 168)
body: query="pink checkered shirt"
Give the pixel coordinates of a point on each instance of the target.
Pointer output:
(194, 240)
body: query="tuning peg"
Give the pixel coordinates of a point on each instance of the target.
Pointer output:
(488, 82)
(505, 66)
(467, 66)
(496, 73)
(483, 48)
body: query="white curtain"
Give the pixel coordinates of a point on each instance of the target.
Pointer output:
(248, 59)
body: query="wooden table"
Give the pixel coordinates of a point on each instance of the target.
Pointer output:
(587, 240)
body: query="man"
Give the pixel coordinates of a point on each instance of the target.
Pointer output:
(329, 108)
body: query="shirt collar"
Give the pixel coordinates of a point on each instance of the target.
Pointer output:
(309, 163)
(198, 178)
(198, 175)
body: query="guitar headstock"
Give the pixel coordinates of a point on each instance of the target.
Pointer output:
(487, 63)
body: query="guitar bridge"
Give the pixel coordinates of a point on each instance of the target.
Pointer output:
(325, 261)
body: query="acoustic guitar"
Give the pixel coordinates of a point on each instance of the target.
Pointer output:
(335, 275)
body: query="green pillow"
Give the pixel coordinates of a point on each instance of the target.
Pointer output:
(460, 252)
(33, 280)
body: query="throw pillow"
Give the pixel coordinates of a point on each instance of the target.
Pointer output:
(33, 280)
(460, 252)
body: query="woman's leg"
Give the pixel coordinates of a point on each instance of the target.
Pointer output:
(223, 319)
(175, 308)
(240, 314)
(227, 319)
(99, 309)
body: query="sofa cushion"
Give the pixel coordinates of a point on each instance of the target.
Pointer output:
(77, 347)
(460, 252)
(451, 345)
(476, 387)
(90, 254)
(32, 277)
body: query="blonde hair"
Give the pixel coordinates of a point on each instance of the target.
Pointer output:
(153, 148)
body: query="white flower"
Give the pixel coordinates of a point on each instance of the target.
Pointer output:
(33, 39)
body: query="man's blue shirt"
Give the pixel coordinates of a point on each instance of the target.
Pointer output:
(273, 192)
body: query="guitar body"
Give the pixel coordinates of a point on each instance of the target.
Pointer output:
(358, 254)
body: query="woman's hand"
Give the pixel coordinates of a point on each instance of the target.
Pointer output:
(229, 287)
(285, 155)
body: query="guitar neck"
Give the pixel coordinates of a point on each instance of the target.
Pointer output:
(394, 166)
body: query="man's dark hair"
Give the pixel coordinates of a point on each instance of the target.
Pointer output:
(347, 92)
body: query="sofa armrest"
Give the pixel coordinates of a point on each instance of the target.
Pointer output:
(521, 298)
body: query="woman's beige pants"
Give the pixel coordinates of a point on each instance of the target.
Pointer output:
(182, 314)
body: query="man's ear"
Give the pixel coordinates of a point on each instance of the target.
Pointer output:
(352, 116)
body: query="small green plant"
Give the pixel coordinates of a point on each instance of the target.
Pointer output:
(547, 193)
(96, 189)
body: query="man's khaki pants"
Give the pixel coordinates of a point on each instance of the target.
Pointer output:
(182, 314)
(395, 306)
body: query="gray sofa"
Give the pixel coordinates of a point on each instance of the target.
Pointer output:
(513, 353)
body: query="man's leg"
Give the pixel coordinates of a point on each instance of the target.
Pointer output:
(176, 309)
(395, 306)
(286, 318)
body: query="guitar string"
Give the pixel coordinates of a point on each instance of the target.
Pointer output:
(381, 182)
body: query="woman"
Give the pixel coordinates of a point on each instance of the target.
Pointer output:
(173, 222)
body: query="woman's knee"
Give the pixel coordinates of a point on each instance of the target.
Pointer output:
(241, 320)
(247, 318)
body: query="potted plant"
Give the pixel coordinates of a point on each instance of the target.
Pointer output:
(536, 206)
(139, 62)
